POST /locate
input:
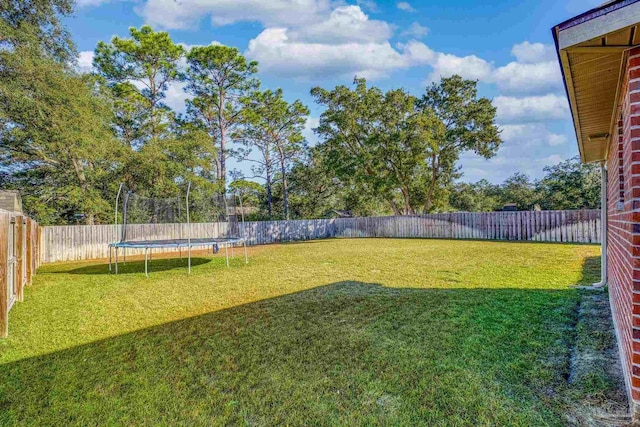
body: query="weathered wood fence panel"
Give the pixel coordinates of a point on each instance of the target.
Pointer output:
(19, 258)
(78, 242)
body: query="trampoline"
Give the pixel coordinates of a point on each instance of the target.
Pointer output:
(213, 243)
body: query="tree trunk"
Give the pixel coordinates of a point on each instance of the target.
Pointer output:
(222, 175)
(269, 194)
(432, 186)
(407, 203)
(212, 134)
(285, 189)
(82, 180)
(394, 207)
(223, 163)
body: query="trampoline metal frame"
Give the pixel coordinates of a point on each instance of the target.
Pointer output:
(148, 245)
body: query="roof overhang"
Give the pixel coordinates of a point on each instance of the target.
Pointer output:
(592, 50)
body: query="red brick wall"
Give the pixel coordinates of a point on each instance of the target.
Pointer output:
(623, 267)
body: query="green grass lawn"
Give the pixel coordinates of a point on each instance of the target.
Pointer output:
(337, 332)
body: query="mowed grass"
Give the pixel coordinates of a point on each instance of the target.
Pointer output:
(336, 332)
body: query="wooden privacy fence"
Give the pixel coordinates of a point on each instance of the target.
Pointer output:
(19, 258)
(78, 242)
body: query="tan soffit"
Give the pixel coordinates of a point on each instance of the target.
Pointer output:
(592, 54)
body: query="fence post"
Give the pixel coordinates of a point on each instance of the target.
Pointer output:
(5, 223)
(20, 259)
(29, 246)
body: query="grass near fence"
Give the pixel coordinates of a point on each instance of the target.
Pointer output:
(339, 332)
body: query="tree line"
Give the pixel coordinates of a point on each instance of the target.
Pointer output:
(69, 138)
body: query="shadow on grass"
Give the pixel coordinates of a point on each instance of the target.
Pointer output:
(137, 266)
(590, 270)
(348, 353)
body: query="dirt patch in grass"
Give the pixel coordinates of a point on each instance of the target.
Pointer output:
(595, 373)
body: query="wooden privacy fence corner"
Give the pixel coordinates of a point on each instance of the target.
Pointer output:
(19, 259)
(80, 242)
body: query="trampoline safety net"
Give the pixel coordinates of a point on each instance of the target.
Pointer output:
(136, 215)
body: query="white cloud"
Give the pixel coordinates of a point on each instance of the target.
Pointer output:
(528, 78)
(85, 61)
(369, 5)
(526, 148)
(277, 53)
(175, 97)
(469, 67)
(530, 53)
(522, 78)
(308, 133)
(553, 159)
(415, 30)
(405, 6)
(186, 14)
(531, 135)
(312, 38)
(418, 52)
(446, 65)
(531, 109)
(508, 161)
(347, 24)
(556, 139)
(535, 71)
(348, 43)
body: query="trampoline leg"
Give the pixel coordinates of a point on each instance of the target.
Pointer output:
(246, 256)
(226, 252)
(146, 268)
(180, 250)
(189, 255)
(110, 250)
(116, 260)
(124, 255)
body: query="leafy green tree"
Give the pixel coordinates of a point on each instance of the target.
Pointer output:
(56, 139)
(249, 192)
(37, 24)
(378, 142)
(136, 73)
(273, 127)
(130, 114)
(469, 125)
(519, 189)
(256, 135)
(481, 196)
(570, 185)
(139, 70)
(314, 192)
(217, 78)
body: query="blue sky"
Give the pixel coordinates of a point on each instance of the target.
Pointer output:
(299, 44)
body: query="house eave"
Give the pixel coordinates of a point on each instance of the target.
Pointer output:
(591, 49)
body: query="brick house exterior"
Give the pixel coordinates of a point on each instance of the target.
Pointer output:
(623, 223)
(599, 53)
